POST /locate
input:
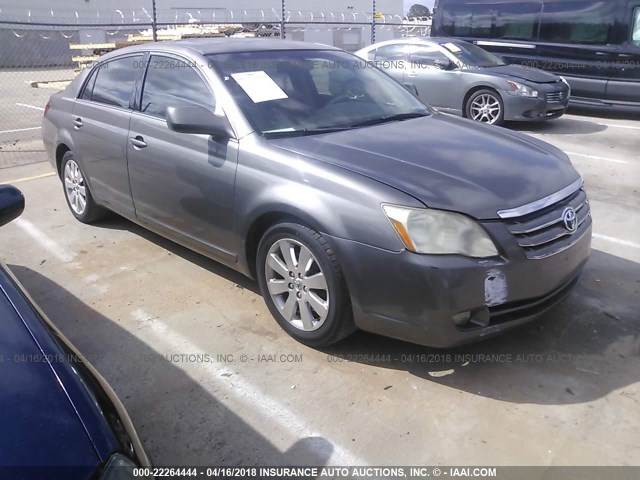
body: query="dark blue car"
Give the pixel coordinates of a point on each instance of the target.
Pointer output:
(58, 417)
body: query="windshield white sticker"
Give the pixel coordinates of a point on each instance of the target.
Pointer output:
(452, 48)
(259, 86)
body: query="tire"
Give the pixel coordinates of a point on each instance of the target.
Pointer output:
(296, 302)
(81, 205)
(488, 97)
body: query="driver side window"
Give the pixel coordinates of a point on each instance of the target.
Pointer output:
(426, 57)
(170, 82)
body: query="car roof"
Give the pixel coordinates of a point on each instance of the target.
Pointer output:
(211, 46)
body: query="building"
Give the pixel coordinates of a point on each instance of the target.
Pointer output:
(24, 45)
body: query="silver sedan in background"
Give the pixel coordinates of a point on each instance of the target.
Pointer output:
(461, 78)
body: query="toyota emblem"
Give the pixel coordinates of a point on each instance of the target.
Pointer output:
(570, 219)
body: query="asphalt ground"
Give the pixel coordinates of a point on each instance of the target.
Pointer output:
(209, 378)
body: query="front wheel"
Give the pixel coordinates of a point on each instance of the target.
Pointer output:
(303, 285)
(485, 106)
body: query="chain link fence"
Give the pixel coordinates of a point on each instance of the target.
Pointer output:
(42, 51)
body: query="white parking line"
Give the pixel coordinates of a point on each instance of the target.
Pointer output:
(44, 240)
(20, 130)
(595, 157)
(30, 106)
(156, 333)
(619, 241)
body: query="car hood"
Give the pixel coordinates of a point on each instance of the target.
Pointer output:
(39, 422)
(446, 162)
(520, 72)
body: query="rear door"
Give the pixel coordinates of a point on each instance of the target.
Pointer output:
(624, 86)
(181, 183)
(392, 59)
(101, 122)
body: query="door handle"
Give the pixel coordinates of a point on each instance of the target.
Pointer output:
(77, 123)
(412, 74)
(137, 142)
(625, 55)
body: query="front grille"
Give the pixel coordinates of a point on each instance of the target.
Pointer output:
(543, 233)
(555, 97)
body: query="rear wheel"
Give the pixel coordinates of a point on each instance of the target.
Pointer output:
(76, 192)
(485, 106)
(303, 285)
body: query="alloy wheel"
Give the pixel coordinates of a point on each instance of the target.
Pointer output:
(75, 187)
(485, 108)
(297, 285)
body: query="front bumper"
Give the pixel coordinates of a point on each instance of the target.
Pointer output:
(414, 297)
(543, 107)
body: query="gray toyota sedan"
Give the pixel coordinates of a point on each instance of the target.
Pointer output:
(352, 203)
(461, 78)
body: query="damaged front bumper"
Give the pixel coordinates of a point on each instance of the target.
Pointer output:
(448, 300)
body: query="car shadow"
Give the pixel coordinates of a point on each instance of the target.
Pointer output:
(116, 222)
(179, 422)
(582, 350)
(614, 113)
(560, 126)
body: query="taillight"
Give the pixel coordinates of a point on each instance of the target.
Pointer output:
(46, 107)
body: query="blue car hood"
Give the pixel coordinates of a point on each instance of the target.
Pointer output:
(446, 162)
(40, 426)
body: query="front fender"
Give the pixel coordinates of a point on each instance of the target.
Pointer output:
(328, 198)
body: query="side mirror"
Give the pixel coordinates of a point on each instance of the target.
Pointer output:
(11, 203)
(196, 119)
(444, 64)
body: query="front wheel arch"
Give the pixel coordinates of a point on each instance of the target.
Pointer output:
(61, 149)
(262, 224)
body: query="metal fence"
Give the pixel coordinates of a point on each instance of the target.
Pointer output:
(41, 51)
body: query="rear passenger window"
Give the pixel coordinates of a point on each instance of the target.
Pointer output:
(517, 21)
(172, 83)
(115, 81)
(390, 52)
(88, 88)
(577, 22)
(510, 20)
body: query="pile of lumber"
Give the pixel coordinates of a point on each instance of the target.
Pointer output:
(87, 53)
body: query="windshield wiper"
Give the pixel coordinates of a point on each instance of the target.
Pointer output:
(303, 132)
(392, 118)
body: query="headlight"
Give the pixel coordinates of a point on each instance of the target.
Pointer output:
(424, 230)
(520, 90)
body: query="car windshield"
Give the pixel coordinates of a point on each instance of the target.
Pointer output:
(303, 92)
(471, 55)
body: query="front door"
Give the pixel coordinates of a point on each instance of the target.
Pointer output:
(181, 183)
